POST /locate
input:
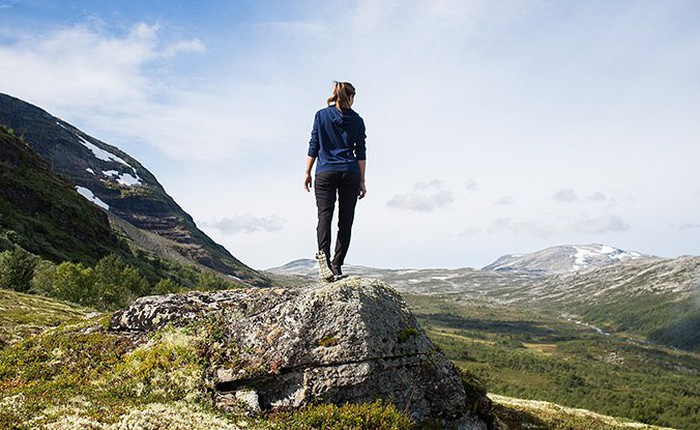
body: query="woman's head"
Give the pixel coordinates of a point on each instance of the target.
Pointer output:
(343, 95)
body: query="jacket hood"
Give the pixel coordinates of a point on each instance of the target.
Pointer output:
(340, 118)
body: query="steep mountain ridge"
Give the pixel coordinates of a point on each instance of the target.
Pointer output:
(118, 183)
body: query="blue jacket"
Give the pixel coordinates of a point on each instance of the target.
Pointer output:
(337, 140)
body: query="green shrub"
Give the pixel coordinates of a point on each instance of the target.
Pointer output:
(366, 416)
(165, 286)
(17, 269)
(74, 283)
(42, 282)
(207, 281)
(86, 372)
(117, 283)
(407, 333)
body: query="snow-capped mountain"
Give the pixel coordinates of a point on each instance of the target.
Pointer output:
(563, 259)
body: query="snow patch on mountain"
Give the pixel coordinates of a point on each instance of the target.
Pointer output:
(123, 178)
(563, 259)
(88, 194)
(100, 153)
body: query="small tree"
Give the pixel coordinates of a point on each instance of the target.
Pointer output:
(42, 282)
(74, 283)
(210, 282)
(165, 286)
(117, 283)
(17, 269)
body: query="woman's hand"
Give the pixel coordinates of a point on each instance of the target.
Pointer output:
(307, 181)
(309, 165)
(362, 164)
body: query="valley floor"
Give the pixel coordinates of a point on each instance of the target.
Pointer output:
(528, 354)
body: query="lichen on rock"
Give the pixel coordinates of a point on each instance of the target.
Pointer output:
(351, 341)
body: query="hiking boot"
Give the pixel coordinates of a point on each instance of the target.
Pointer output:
(324, 270)
(338, 273)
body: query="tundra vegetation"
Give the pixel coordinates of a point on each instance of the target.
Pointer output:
(531, 354)
(60, 368)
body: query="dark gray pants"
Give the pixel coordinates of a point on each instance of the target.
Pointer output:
(346, 186)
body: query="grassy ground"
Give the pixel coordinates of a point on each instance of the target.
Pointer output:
(79, 376)
(520, 414)
(22, 315)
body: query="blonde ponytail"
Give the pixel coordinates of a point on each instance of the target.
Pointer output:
(342, 93)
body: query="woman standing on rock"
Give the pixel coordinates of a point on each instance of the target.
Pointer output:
(338, 142)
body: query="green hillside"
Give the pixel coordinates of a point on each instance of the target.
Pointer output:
(56, 243)
(43, 213)
(140, 200)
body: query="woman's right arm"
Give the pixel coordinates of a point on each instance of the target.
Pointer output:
(309, 165)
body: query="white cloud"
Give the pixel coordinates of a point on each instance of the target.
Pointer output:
(118, 85)
(83, 68)
(566, 195)
(426, 197)
(597, 225)
(597, 197)
(184, 46)
(471, 231)
(471, 185)
(246, 223)
(506, 201)
(474, 98)
(435, 184)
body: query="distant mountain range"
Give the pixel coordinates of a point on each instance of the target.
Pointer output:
(549, 261)
(655, 298)
(122, 187)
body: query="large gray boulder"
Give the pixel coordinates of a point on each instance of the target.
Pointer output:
(354, 340)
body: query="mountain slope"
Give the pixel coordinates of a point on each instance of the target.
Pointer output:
(43, 213)
(118, 183)
(656, 299)
(563, 259)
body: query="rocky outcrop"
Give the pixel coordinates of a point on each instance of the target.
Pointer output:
(350, 341)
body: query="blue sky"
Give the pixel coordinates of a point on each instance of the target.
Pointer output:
(493, 127)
